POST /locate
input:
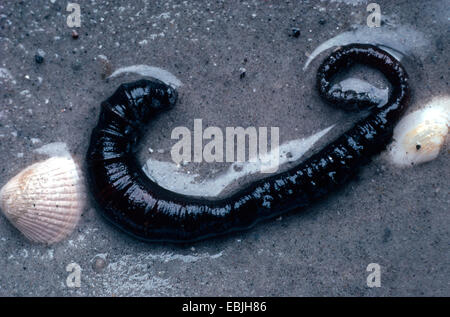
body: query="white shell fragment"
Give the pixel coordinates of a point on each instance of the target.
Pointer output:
(45, 200)
(420, 135)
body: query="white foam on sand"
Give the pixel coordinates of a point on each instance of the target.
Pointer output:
(150, 71)
(54, 149)
(380, 95)
(132, 275)
(397, 41)
(169, 175)
(349, 2)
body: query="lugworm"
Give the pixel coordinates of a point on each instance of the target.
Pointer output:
(142, 208)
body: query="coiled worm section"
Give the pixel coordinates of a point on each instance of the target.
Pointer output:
(142, 208)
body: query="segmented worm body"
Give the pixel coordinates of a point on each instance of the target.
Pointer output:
(142, 208)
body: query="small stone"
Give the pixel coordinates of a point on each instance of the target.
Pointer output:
(418, 146)
(106, 67)
(242, 71)
(76, 66)
(74, 34)
(99, 264)
(38, 59)
(295, 32)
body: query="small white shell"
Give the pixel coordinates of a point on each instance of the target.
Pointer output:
(45, 200)
(420, 135)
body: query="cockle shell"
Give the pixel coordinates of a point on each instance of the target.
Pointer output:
(420, 135)
(45, 200)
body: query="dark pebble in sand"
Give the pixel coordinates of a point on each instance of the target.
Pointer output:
(295, 32)
(38, 59)
(74, 34)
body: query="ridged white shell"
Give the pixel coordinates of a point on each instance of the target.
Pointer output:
(420, 135)
(45, 200)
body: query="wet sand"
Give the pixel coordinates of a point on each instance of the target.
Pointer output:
(395, 217)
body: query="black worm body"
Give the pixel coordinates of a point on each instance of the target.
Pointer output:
(144, 209)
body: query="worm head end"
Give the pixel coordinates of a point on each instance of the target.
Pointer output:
(163, 96)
